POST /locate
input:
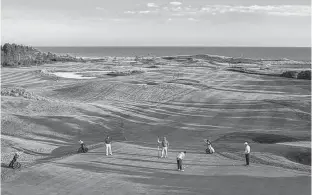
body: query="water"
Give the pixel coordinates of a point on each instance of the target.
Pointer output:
(293, 53)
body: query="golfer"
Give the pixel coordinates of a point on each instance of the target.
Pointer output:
(15, 157)
(165, 145)
(82, 145)
(108, 143)
(180, 157)
(247, 153)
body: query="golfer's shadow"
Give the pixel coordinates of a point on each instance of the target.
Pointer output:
(147, 161)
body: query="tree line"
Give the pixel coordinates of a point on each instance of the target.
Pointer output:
(13, 55)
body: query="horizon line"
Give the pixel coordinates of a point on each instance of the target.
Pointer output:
(183, 46)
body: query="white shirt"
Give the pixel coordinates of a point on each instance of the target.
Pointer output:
(81, 142)
(181, 155)
(247, 149)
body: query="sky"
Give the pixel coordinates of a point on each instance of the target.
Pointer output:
(262, 23)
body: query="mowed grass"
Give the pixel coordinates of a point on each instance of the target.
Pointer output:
(197, 103)
(137, 170)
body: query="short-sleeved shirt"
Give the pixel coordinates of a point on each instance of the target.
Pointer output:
(108, 140)
(181, 155)
(247, 149)
(164, 143)
(81, 142)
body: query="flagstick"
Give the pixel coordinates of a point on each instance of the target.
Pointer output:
(158, 151)
(158, 147)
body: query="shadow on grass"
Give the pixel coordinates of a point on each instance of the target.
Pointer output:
(173, 162)
(127, 166)
(30, 152)
(263, 138)
(180, 182)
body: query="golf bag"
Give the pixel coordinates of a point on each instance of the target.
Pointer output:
(210, 150)
(83, 149)
(14, 164)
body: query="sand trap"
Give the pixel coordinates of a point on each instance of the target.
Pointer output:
(71, 75)
(306, 144)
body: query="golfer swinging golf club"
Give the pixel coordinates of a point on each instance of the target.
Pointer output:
(165, 145)
(180, 157)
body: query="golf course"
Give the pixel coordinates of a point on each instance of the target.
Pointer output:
(47, 109)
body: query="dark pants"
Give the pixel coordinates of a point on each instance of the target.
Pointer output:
(179, 163)
(12, 161)
(247, 159)
(82, 147)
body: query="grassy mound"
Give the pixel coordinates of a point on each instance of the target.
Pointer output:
(262, 138)
(306, 74)
(273, 138)
(302, 156)
(266, 143)
(289, 74)
(153, 66)
(125, 72)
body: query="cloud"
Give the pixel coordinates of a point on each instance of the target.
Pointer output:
(214, 10)
(118, 19)
(192, 19)
(152, 5)
(144, 12)
(175, 9)
(177, 14)
(99, 8)
(129, 12)
(175, 3)
(282, 10)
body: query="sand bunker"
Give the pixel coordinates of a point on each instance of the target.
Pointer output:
(306, 144)
(71, 75)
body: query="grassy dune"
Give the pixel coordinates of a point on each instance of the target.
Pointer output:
(184, 100)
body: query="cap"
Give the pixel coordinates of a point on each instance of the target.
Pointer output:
(246, 143)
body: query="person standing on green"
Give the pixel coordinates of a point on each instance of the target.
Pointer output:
(108, 143)
(165, 145)
(247, 153)
(180, 157)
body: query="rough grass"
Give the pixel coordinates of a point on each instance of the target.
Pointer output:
(290, 161)
(262, 138)
(125, 72)
(306, 74)
(153, 66)
(266, 142)
(18, 92)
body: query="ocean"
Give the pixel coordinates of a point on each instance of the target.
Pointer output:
(293, 53)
